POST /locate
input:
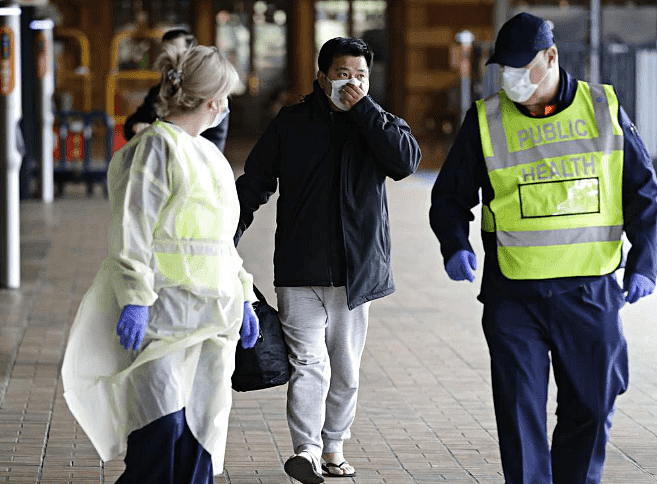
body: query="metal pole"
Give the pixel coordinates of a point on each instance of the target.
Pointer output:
(594, 61)
(10, 159)
(501, 13)
(465, 38)
(45, 84)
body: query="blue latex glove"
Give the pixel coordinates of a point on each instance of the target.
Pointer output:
(638, 287)
(460, 266)
(132, 326)
(250, 327)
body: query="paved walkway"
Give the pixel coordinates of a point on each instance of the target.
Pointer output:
(425, 413)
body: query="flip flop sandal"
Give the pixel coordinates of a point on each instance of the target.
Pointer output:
(330, 465)
(302, 470)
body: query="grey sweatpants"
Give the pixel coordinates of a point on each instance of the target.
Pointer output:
(326, 342)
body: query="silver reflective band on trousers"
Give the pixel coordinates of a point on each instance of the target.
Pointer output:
(10, 158)
(326, 342)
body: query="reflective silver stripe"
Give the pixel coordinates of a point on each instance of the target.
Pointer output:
(555, 150)
(541, 238)
(601, 109)
(603, 119)
(495, 129)
(193, 247)
(606, 141)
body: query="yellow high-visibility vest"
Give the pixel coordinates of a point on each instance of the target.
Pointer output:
(558, 205)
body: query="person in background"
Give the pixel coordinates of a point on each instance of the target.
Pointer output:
(329, 156)
(158, 384)
(146, 113)
(562, 173)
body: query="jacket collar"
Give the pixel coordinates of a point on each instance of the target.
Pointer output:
(319, 99)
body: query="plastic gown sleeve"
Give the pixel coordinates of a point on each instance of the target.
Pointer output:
(139, 188)
(247, 284)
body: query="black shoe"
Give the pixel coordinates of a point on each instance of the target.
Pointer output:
(304, 470)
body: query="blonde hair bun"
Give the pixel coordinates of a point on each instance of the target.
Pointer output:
(190, 76)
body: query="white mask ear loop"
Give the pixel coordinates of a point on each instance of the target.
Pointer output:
(220, 116)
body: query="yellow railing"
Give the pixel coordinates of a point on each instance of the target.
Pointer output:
(122, 36)
(81, 72)
(116, 76)
(112, 81)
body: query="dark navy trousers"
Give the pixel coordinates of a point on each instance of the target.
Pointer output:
(166, 452)
(580, 332)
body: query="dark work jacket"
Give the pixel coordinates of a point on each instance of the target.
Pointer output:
(456, 192)
(146, 114)
(296, 154)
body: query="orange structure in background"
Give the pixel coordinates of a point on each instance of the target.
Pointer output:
(74, 87)
(74, 146)
(70, 78)
(126, 88)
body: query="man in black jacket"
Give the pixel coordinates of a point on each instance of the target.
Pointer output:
(145, 114)
(330, 156)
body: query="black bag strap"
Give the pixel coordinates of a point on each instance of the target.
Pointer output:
(259, 295)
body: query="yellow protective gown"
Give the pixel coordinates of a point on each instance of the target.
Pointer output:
(174, 213)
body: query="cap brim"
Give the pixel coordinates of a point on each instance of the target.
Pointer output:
(512, 59)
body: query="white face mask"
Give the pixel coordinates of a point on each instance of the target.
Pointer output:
(219, 118)
(517, 84)
(336, 97)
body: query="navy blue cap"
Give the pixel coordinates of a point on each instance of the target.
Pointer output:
(520, 39)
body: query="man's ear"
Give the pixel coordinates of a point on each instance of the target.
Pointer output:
(323, 80)
(553, 54)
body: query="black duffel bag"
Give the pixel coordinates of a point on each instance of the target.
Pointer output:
(266, 364)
